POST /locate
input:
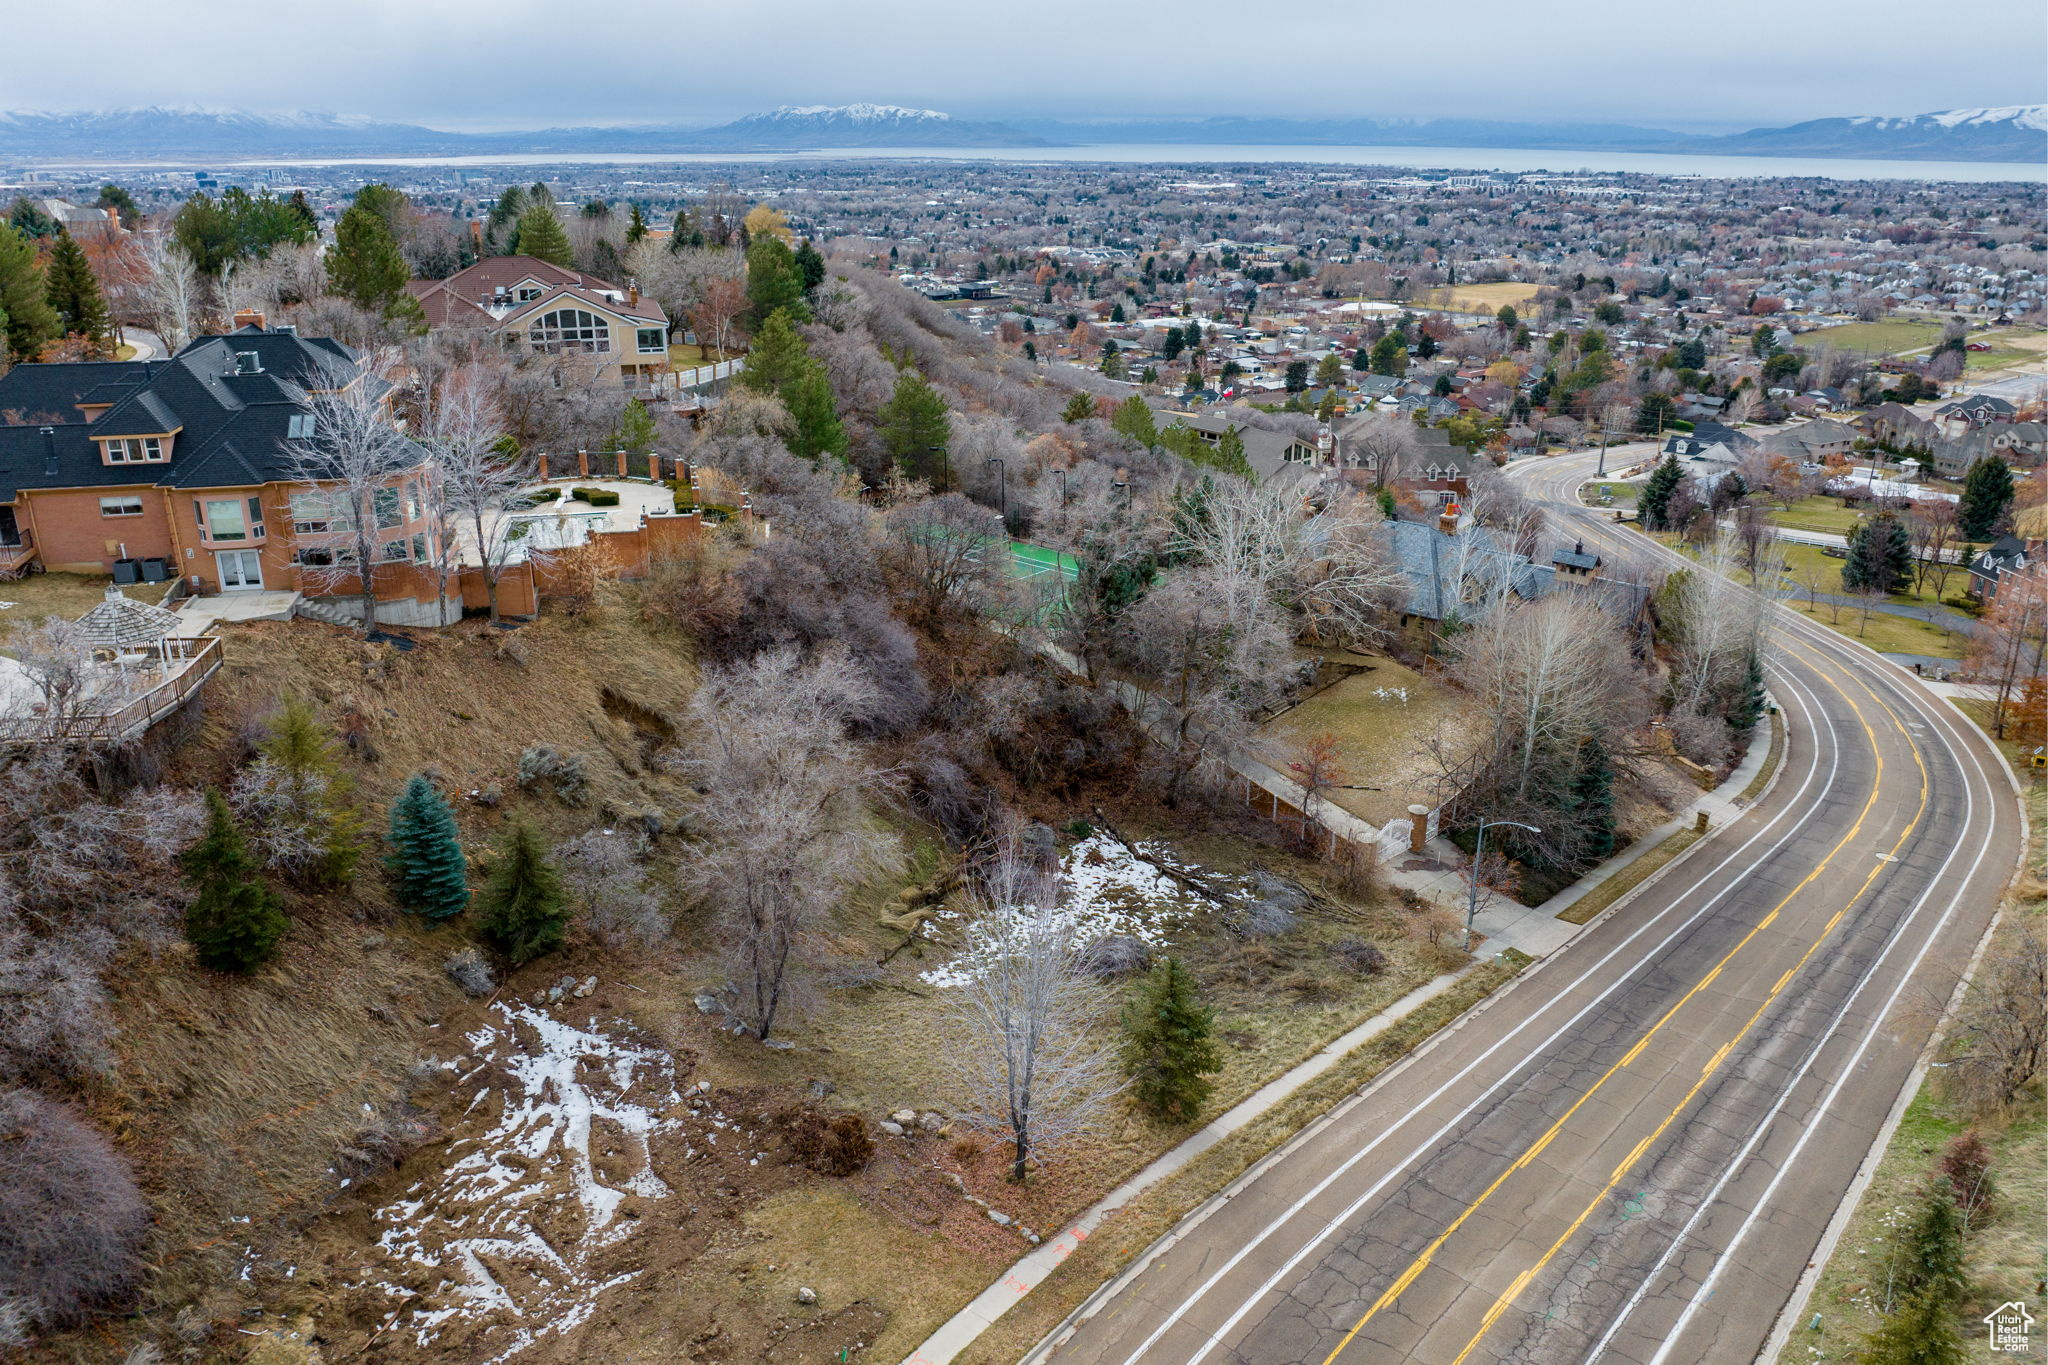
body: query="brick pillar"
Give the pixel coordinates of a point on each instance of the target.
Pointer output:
(1419, 835)
(543, 469)
(622, 463)
(582, 464)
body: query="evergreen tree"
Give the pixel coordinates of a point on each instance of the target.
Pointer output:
(1593, 803)
(1880, 555)
(1390, 355)
(1079, 408)
(810, 265)
(1987, 492)
(1935, 1247)
(1297, 376)
(365, 265)
(73, 291)
(540, 234)
(636, 225)
(815, 410)
(1133, 418)
(114, 197)
(773, 280)
(1168, 1051)
(234, 921)
(525, 910)
(1230, 454)
(913, 427)
(428, 872)
(1361, 360)
(1922, 1332)
(30, 320)
(776, 356)
(387, 203)
(302, 212)
(636, 431)
(319, 791)
(1657, 490)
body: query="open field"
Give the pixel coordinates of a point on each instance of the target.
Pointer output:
(1477, 298)
(1819, 513)
(1886, 634)
(1890, 337)
(1801, 559)
(1382, 719)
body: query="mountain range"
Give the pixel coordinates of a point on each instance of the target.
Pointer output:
(2016, 133)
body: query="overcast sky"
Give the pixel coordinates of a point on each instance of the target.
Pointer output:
(519, 63)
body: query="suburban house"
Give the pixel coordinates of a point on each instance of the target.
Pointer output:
(1978, 410)
(193, 468)
(2005, 555)
(547, 309)
(1813, 442)
(1268, 452)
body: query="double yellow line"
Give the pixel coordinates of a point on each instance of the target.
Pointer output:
(1521, 1282)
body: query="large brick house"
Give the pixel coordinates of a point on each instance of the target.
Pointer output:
(189, 467)
(541, 307)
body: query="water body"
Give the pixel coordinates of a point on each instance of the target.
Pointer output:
(1517, 160)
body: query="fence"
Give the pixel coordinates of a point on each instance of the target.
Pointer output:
(133, 717)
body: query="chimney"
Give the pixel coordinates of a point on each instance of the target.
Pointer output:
(1447, 522)
(249, 317)
(633, 294)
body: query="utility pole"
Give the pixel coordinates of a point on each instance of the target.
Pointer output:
(1479, 852)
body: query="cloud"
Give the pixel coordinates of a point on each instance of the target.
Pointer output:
(520, 63)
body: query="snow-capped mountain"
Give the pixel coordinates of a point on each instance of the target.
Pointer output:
(804, 126)
(168, 131)
(2015, 132)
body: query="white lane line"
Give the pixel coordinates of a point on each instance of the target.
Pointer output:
(1848, 1070)
(1803, 818)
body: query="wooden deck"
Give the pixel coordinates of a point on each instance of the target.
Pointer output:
(134, 716)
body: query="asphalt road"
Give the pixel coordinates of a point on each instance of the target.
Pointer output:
(1630, 1154)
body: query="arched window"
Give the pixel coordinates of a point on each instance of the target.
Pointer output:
(570, 329)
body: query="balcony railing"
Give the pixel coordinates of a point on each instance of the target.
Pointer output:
(186, 665)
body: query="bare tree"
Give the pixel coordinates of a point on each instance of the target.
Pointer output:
(2001, 1030)
(604, 869)
(952, 557)
(1721, 629)
(1383, 442)
(2010, 640)
(366, 470)
(74, 1219)
(171, 295)
(56, 658)
(1032, 1066)
(783, 829)
(1931, 524)
(474, 488)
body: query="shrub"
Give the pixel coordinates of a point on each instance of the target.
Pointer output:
(540, 495)
(581, 494)
(1967, 1167)
(596, 497)
(468, 970)
(1116, 955)
(840, 1146)
(1366, 959)
(71, 1219)
(545, 765)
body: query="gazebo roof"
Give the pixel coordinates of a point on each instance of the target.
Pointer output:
(121, 622)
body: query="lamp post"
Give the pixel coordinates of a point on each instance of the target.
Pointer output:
(945, 454)
(1479, 852)
(1002, 488)
(1127, 493)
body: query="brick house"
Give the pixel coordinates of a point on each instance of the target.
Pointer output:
(544, 308)
(189, 467)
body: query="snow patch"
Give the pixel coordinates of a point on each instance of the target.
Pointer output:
(513, 1223)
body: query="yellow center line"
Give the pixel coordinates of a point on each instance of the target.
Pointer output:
(1422, 1262)
(1506, 1301)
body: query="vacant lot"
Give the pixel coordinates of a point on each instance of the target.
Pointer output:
(1478, 298)
(1383, 719)
(1819, 513)
(1875, 338)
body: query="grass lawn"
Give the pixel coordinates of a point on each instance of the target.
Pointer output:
(1582, 910)
(1998, 358)
(1877, 338)
(1801, 558)
(680, 353)
(1886, 634)
(1819, 513)
(28, 600)
(1382, 719)
(1624, 495)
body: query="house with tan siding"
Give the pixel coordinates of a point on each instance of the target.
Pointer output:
(541, 307)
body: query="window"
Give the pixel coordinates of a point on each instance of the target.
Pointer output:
(653, 340)
(222, 519)
(127, 505)
(324, 557)
(299, 427)
(135, 450)
(570, 329)
(316, 512)
(393, 549)
(387, 507)
(528, 293)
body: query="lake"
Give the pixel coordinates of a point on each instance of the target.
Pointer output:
(1523, 160)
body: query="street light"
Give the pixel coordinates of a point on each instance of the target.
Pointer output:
(945, 454)
(1478, 852)
(1127, 493)
(1062, 472)
(1002, 487)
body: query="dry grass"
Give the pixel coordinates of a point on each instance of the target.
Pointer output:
(1382, 740)
(69, 595)
(1629, 878)
(1479, 298)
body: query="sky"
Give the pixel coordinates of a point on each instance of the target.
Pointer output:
(483, 64)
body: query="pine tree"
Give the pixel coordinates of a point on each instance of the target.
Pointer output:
(1134, 419)
(1935, 1247)
(776, 356)
(23, 302)
(541, 235)
(913, 427)
(1880, 555)
(1987, 492)
(774, 280)
(234, 920)
(815, 410)
(1168, 1051)
(365, 265)
(428, 871)
(304, 751)
(810, 265)
(525, 910)
(73, 291)
(636, 432)
(1922, 1332)
(1655, 501)
(1079, 408)
(636, 225)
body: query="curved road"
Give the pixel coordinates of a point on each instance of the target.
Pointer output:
(1629, 1155)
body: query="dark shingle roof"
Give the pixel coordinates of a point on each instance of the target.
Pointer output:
(232, 428)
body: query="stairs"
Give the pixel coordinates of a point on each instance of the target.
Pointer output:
(331, 613)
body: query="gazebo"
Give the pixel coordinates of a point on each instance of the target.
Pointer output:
(125, 626)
